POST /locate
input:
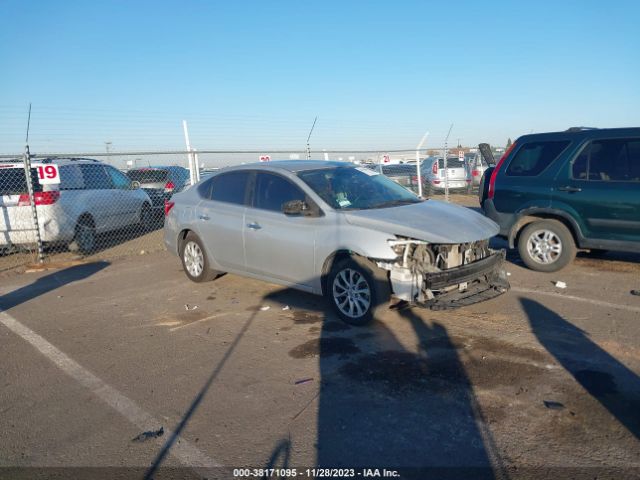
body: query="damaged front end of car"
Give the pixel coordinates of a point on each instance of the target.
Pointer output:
(444, 276)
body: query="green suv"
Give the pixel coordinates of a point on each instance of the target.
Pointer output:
(554, 193)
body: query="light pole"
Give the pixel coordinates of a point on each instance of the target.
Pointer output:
(107, 146)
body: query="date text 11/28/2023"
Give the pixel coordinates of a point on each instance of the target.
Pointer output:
(314, 473)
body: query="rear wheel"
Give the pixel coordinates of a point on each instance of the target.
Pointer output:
(357, 290)
(194, 260)
(546, 246)
(84, 239)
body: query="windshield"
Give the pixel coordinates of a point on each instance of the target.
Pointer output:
(347, 188)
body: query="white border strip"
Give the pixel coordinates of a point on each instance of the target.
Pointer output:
(181, 450)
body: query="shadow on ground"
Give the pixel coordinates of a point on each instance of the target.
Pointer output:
(385, 405)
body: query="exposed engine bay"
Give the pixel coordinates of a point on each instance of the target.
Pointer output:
(445, 275)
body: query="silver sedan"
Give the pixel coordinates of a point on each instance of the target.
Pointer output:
(338, 230)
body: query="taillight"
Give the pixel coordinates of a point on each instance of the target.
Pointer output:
(169, 186)
(434, 169)
(168, 205)
(492, 181)
(41, 198)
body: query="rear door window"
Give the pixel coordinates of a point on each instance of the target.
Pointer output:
(611, 160)
(230, 187)
(534, 157)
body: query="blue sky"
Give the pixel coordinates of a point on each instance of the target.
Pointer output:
(254, 74)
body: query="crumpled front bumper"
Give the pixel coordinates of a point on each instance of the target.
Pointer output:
(476, 282)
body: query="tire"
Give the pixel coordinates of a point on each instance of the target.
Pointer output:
(84, 239)
(357, 307)
(146, 218)
(194, 260)
(546, 246)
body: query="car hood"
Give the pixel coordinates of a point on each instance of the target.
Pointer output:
(431, 221)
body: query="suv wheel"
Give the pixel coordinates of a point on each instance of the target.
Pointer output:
(194, 260)
(357, 290)
(546, 246)
(84, 239)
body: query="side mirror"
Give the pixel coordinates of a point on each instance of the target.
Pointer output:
(135, 185)
(295, 207)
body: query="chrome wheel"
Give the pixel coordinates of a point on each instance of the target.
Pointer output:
(193, 258)
(351, 293)
(544, 246)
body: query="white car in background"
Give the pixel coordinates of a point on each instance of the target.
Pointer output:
(91, 198)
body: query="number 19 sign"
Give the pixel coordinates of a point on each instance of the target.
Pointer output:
(48, 173)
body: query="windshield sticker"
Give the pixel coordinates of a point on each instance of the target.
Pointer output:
(368, 171)
(344, 203)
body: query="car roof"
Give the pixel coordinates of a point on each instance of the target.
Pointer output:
(56, 160)
(578, 133)
(156, 167)
(292, 166)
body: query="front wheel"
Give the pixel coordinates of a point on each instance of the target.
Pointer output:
(546, 246)
(357, 290)
(194, 260)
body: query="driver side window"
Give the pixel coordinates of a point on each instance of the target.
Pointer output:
(273, 191)
(120, 180)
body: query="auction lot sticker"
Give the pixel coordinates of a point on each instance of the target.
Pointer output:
(48, 173)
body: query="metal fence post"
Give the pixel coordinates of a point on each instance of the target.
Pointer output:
(32, 202)
(418, 169)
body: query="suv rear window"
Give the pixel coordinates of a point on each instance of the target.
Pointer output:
(148, 175)
(532, 158)
(13, 181)
(452, 162)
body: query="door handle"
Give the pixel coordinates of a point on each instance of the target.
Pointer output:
(254, 226)
(569, 189)
(203, 217)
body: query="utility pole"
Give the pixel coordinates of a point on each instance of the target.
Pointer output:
(418, 166)
(32, 200)
(107, 146)
(193, 168)
(446, 170)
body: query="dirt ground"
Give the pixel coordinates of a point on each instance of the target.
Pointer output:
(541, 382)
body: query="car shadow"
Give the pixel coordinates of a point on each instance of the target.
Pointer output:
(382, 404)
(615, 386)
(49, 283)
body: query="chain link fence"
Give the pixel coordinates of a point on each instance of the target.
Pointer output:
(105, 205)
